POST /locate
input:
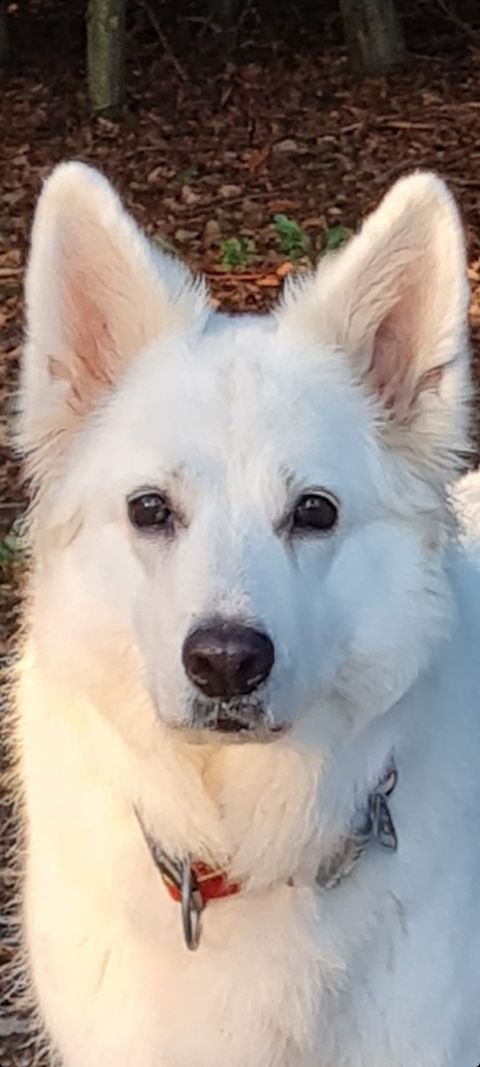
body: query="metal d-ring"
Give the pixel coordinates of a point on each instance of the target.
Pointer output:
(192, 907)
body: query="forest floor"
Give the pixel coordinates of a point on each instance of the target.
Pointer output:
(221, 132)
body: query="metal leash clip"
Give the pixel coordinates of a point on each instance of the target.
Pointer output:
(192, 907)
(182, 885)
(379, 812)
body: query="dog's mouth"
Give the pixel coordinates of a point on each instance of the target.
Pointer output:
(241, 721)
(231, 725)
(227, 725)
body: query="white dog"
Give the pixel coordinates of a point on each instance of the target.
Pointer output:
(250, 696)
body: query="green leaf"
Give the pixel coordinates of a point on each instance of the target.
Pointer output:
(237, 252)
(293, 240)
(11, 547)
(335, 237)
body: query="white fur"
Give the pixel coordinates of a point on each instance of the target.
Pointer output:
(358, 384)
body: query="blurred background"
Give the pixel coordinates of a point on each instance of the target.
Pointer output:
(248, 136)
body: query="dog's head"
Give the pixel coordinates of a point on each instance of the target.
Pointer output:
(243, 517)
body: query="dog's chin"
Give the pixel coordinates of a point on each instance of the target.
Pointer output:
(202, 735)
(244, 722)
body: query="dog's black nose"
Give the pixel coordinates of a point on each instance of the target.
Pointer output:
(225, 659)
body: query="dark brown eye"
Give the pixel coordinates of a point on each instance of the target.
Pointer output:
(314, 513)
(149, 511)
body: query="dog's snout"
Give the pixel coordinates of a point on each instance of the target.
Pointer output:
(226, 659)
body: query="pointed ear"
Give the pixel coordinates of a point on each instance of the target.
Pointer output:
(395, 300)
(96, 295)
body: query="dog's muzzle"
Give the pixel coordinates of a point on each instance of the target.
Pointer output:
(227, 662)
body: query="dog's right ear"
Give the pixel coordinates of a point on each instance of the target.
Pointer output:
(97, 294)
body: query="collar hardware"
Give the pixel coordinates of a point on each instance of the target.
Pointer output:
(375, 822)
(191, 884)
(194, 884)
(192, 907)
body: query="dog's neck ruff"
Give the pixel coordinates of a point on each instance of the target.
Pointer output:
(194, 884)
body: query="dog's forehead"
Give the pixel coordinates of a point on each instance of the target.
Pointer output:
(239, 392)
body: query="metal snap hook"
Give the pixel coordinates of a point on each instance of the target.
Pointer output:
(192, 907)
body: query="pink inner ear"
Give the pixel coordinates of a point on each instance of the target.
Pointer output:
(393, 366)
(90, 367)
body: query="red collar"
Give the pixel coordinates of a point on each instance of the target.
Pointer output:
(193, 883)
(206, 883)
(211, 884)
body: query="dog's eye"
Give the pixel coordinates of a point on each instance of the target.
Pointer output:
(315, 512)
(149, 511)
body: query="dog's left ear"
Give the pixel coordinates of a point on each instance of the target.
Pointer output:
(395, 300)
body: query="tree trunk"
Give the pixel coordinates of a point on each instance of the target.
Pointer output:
(4, 42)
(105, 55)
(374, 35)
